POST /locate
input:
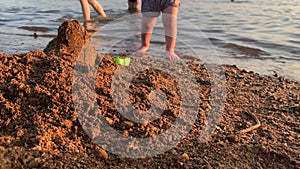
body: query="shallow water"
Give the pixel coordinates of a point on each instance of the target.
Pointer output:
(263, 36)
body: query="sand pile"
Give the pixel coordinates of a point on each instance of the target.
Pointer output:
(39, 127)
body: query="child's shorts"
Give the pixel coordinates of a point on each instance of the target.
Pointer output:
(154, 7)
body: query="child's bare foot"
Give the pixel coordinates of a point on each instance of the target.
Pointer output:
(142, 49)
(172, 55)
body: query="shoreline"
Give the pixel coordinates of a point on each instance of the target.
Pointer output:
(244, 56)
(39, 127)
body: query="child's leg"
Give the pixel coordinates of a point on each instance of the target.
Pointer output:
(138, 5)
(134, 6)
(85, 9)
(148, 23)
(98, 8)
(169, 18)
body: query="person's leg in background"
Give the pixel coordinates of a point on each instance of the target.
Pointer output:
(169, 19)
(97, 7)
(134, 6)
(87, 12)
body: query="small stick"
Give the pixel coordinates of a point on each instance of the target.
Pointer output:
(208, 164)
(257, 125)
(237, 135)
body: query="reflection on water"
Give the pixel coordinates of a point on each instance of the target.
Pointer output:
(256, 35)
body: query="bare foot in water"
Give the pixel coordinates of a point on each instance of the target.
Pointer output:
(142, 49)
(172, 55)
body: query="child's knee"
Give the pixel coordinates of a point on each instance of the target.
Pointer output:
(92, 2)
(175, 3)
(148, 25)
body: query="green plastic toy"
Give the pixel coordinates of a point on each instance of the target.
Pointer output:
(122, 61)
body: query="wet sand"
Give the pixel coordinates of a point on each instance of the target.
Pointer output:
(39, 128)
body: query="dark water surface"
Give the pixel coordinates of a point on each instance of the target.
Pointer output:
(258, 35)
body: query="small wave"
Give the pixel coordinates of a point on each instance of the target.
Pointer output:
(33, 35)
(294, 41)
(244, 50)
(288, 48)
(239, 49)
(63, 18)
(288, 58)
(297, 52)
(217, 42)
(48, 11)
(213, 31)
(271, 45)
(35, 28)
(99, 19)
(238, 1)
(245, 39)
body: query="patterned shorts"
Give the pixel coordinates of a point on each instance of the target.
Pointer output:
(154, 7)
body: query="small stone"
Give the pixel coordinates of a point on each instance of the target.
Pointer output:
(109, 121)
(126, 133)
(101, 153)
(185, 156)
(234, 71)
(34, 163)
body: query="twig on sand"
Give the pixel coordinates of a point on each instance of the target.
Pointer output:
(208, 164)
(257, 125)
(237, 135)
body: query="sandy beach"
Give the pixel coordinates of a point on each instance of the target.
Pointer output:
(39, 128)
